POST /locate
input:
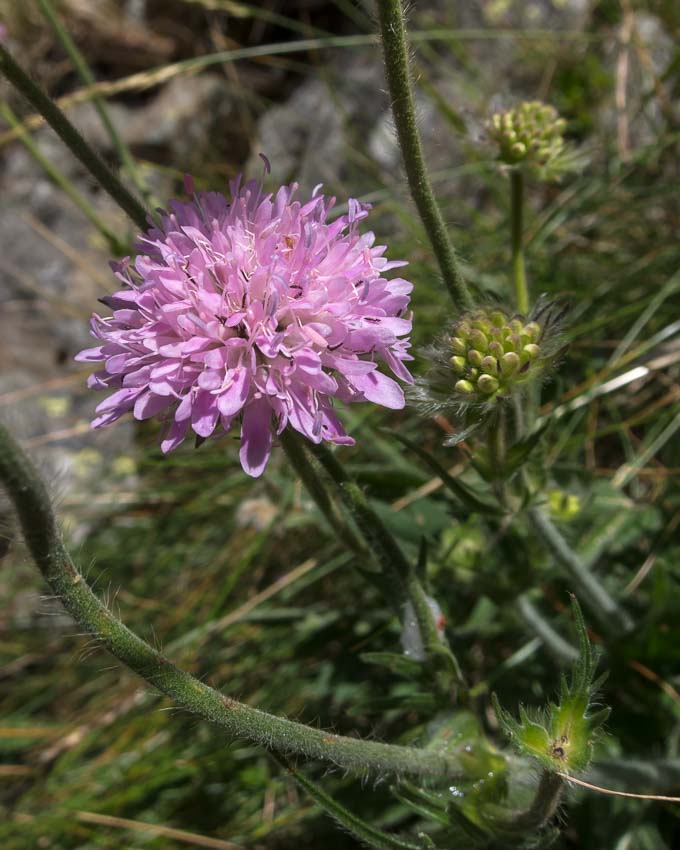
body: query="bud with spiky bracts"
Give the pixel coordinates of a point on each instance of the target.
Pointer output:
(562, 736)
(530, 136)
(488, 356)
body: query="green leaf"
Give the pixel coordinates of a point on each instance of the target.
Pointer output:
(461, 491)
(396, 663)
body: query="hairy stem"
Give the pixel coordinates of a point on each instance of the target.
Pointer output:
(29, 495)
(72, 139)
(292, 445)
(388, 553)
(542, 808)
(603, 607)
(395, 49)
(517, 234)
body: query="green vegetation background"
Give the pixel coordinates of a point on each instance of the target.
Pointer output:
(243, 583)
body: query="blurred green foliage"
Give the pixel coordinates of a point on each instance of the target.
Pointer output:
(80, 739)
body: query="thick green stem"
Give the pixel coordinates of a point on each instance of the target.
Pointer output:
(388, 553)
(72, 139)
(517, 231)
(395, 48)
(30, 498)
(536, 816)
(292, 445)
(87, 77)
(603, 607)
(62, 181)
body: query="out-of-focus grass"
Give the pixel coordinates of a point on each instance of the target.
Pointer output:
(88, 759)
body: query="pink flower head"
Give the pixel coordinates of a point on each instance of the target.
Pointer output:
(259, 311)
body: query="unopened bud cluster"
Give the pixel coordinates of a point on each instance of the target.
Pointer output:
(531, 133)
(491, 353)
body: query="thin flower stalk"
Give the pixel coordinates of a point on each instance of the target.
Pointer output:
(390, 556)
(28, 492)
(517, 237)
(316, 487)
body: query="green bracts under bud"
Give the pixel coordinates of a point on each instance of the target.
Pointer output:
(492, 352)
(561, 736)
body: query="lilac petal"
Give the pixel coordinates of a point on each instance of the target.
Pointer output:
(148, 404)
(235, 396)
(379, 388)
(204, 414)
(256, 437)
(175, 435)
(90, 355)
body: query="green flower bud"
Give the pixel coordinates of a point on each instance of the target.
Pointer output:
(561, 736)
(509, 364)
(487, 384)
(490, 365)
(478, 340)
(530, 135)
(475, 357)
(496, 349)
(492, 352)
(532, 330)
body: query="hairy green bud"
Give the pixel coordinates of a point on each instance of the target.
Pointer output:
(492, 353)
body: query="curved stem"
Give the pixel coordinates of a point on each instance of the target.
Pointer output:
(395, 48)
(543, 807)
(72, 139)
(388, 553)
(31, 501)
(610, 615)
(517, 228)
